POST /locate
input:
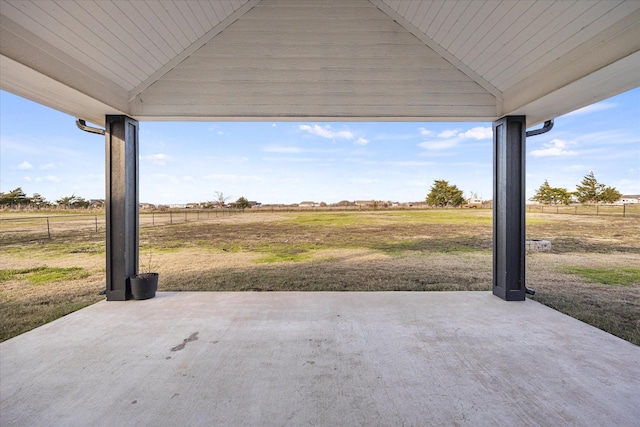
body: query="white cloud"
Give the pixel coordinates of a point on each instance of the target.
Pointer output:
(361, 141)
(593, 108)
(439, 145)
(216, 129)
(478, 133)
(555, 148)
(157, 159)
(363, 180)
(448, 133)
(401, 163)
(27, 178)
(281, 149)
(291, 159)
(452, 137)
(24, 166)
(48, 178)
(425, 132)
(48, 166)
(327, 132)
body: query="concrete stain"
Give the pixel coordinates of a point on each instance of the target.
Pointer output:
(192, 337)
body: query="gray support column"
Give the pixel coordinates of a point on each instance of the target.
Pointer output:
(121, 135)
(509, 208)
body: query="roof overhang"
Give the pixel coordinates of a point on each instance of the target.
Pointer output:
(295, 60)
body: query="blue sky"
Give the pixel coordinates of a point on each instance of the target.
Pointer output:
(42, 151)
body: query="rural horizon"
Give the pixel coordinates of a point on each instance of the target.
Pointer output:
(588, 191)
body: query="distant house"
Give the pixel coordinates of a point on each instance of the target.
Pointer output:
(177, 206)
(255, 204)
(147, 206)
(628, 199)
(363, 203)
(308, 204)
(96, 203)
(344, 203)
(473, 203)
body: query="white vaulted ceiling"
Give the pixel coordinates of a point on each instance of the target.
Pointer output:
(468, 60)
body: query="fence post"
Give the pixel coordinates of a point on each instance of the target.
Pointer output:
(153, 219)
(96, 223)
(185, 216)
(48, 228)
(170, 217)
(624, 210)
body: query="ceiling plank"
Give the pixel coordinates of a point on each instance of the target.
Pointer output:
(192, 48)
(22, 46)
(444, 53)
(620, 41)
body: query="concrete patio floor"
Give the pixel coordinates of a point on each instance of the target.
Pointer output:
(319, 359)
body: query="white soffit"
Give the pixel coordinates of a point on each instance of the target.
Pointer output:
(468, 60)
(344, 59)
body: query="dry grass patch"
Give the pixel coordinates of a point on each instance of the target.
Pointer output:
(346, 270)
(32, 297)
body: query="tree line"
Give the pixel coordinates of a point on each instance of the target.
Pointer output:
(441, 194)
(17, 198)
(589, 191)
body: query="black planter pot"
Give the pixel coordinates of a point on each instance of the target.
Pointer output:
(144, 285)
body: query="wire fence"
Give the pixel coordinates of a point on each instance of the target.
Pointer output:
(28, 228)
(625, 211)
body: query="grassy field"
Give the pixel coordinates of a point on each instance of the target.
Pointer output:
(592, 272)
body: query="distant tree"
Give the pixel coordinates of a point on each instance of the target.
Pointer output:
(220, 200)
(39, 202)
(442, 194)
(73, 202)
(80, 203)
(14, 198)
(552, 195)
(242, 203)
(591, 191)
(610, 195)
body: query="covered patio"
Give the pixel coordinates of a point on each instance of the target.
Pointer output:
(325, 359)
(319, 358)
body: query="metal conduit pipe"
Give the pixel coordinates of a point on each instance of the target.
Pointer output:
(82, 125)
(548, 125)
